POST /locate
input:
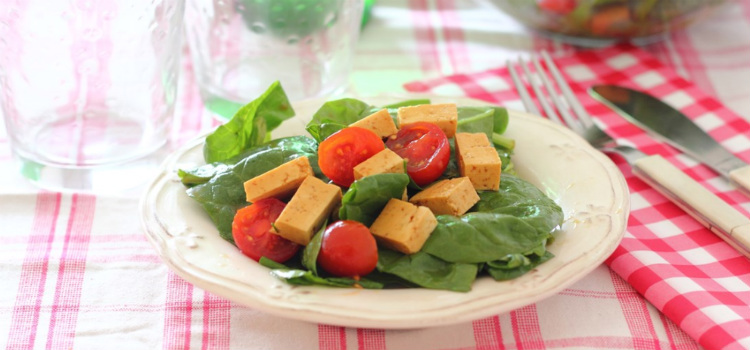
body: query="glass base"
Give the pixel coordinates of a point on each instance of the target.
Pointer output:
(123, 179)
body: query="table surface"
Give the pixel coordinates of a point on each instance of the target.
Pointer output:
(127, 298)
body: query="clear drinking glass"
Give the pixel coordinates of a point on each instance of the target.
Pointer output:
(240, 47)
(88, 88)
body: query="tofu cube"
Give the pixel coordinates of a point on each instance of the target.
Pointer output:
(383, 162)
(465, 141)
(307, 210)
(403, 226)
(478, 160)
(443, 115)
(279, 182)
(482, 166)
(379, 122)
(448, 197)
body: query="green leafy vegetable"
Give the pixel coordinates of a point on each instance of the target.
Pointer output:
(224, 193)
(427, 271)
(480, 237)
(201, 174)
(312, 249)
(515, 265)
(249, 126)
(366, 197)
(306, 277)
(336, 115)
(517, 219)
(475, 120)
(501, 120)
(523, 200)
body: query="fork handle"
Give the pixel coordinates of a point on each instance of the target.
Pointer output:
(721, 218)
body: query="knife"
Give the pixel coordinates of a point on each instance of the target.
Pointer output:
(674, 128)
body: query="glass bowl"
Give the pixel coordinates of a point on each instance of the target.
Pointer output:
(602, 22)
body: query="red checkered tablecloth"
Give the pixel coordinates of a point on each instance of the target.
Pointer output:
(77, 272)
(697, 280)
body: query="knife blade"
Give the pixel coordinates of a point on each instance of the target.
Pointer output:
(675, 128)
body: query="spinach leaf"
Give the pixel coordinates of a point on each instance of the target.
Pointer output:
(201, 174)
(475, 120)
(336, 115)
(480, 237)
(306, 277)
(517, 219)
(501, 120)
(505, 158)
(515, 265)
(223, 193)
(487, 119)
(427, 271)
(249, 126)
(312, 249)
(367, 196)
(523, 200)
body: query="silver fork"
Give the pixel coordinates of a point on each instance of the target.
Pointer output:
(725, 221)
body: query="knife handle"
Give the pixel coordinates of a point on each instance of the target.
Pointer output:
(715, 214)
(741, 177)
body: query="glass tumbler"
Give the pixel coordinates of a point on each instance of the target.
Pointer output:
(240, 47)
(87, 89)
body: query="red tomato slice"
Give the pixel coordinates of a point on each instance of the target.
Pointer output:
(252, 232)
(425, 148)
(348, 249)
(342, 151)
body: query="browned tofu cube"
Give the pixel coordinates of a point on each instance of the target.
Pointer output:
(403, 226)
(383, 162)
(448, 197)
(465, 141)
(379, 122)
(482, 166)
(279, 182)
(307, 210)
(444, 116)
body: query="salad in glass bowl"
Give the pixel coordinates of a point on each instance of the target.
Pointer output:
(602, 22)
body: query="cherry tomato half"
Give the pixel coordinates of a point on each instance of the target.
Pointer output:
(342, 151)
(425, 148)
(348, 249)
(252, 232)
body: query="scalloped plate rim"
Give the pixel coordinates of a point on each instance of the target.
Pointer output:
(314, 303)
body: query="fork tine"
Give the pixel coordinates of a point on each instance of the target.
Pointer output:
(562, 108)
(521, 88)
(540, 95)
(580, 112)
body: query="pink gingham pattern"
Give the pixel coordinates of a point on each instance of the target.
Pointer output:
(76, 271)
(681, 267)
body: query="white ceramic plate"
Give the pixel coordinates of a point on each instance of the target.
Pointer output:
(584, 182)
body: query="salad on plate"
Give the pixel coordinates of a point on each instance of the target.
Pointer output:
(406, 195)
